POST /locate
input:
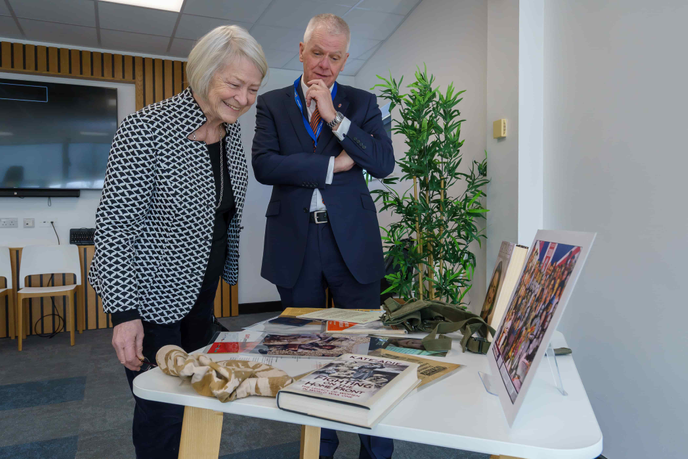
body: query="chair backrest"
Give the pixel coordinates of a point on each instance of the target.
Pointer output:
(6, 266)
(49, 259)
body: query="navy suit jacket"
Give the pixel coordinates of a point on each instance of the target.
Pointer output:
(283, 157)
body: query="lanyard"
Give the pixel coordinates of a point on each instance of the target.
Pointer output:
(306, 124)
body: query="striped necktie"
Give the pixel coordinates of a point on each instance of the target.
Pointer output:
(315, 120)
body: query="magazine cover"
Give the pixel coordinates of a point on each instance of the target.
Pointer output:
(497, 281)
(353, 378)
(312, 345)
(553, 265)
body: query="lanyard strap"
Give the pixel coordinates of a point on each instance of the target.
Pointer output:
(306, 124)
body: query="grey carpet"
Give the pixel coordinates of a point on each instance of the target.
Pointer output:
(65, 402)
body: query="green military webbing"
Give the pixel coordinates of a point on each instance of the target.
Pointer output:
(437, 318)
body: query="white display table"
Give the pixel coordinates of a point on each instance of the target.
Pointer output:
(455, 412)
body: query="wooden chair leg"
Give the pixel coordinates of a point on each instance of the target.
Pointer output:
(80, 312)
(20, 321)
(10, 314)
(201, 433)
(310, 442)
(70, 318)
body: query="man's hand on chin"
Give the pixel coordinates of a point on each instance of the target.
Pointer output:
(323, 98)
(343, 162)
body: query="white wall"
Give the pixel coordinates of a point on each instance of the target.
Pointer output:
(451, 38)
(502, 102)
(80, 212)
(615, 163)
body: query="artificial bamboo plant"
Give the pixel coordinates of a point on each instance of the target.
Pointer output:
(429, 244)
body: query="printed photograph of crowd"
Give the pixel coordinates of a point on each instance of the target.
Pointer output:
(531, 310)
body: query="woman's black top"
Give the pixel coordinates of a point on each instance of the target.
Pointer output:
(223, 215)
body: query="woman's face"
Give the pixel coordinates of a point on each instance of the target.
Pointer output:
(232, 90)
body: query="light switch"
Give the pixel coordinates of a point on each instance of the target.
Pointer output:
(499, 129)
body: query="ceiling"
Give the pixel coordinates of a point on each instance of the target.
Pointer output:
(278, 25)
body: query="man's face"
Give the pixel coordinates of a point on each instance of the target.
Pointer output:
(323, 56)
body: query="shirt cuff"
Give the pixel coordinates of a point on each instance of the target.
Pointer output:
(124, 316)
(330, 171)
(343, 129)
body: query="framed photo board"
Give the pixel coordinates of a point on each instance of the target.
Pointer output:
(552, 267)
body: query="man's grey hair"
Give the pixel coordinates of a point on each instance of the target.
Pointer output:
(334, 25)
(218, 48)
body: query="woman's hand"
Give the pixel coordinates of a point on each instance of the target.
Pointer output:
(127, 339)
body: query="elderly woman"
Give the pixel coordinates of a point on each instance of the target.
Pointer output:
(167, 227)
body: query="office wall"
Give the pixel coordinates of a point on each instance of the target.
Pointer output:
(451, 38)
(615, 162)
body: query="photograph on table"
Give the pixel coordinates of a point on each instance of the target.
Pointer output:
(553, 265)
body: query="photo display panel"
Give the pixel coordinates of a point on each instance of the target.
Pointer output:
(552, 267)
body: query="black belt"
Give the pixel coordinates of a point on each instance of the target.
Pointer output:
(319, 216)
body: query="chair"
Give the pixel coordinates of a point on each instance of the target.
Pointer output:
(49, 260)
(7, 292)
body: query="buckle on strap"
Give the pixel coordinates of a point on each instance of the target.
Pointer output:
(317, 214)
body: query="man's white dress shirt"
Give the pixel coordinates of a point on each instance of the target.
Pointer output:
(317, 201)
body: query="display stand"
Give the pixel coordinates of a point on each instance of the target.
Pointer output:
(488, 381)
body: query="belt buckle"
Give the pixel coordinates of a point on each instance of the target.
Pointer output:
(317, 213)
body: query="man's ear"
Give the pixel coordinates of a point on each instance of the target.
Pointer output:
(302, 48)
(345, 59)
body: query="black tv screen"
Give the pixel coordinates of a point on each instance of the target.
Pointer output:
(54, 137)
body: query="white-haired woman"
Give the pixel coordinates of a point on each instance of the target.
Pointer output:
(167, 227)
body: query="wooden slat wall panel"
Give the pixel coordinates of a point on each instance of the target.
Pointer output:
(18, 62)
(158, 81)
(97, 64)
(76, 62)
(169, 90)
(42, 53)
(138, 68)
(6, 50)
(64, 61)
(107, 65)
(148, 92)
(30, 59)
(177, 77)
(117, 59)
(217, 307)
(184, 82)
(128, 68)
(86, 63)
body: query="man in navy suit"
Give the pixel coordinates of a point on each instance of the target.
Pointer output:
(313, 139)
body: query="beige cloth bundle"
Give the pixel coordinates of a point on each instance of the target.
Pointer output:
(226, 380)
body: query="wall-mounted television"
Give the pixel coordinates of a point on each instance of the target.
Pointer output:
(54, 137)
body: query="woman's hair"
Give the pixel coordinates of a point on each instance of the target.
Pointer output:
(216, 49)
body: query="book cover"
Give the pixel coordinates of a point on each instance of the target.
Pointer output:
(312, 345)
(429, 371)
(233, 342)
(353, 379)
(353, 389)
(508, 267)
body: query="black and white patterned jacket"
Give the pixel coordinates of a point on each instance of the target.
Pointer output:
(154, 224)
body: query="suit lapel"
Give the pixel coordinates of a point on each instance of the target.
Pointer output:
(296, 117)
(341, 103)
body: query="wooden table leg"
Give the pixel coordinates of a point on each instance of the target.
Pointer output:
(310, 442)
(201, 432)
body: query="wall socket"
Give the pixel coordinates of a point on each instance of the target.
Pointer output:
(45, 222)
(9, 223)
(29, 223)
